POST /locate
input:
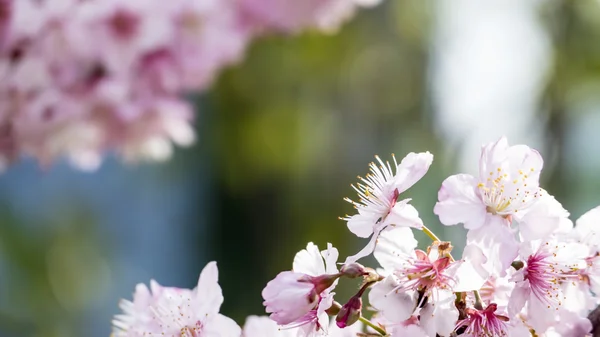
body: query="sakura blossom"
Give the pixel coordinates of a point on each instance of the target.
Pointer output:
(548, 263)
(167, 311)
(418, 280)
(83, 79)
(506, 191)
(378, 206)
(299, 298)
(548, 288)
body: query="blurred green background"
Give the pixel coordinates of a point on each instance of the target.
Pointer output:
(283, 134)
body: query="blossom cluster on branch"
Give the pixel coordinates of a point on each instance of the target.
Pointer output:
(526, 270)
(83, 77)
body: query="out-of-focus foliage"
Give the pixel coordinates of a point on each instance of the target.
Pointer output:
(281, 137)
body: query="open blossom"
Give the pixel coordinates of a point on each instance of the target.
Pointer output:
(548, 264)
(506, 191)
(419, 281)
(300, 297)
(579, 294)
(175, 312)
(488, 322)
(378, 207)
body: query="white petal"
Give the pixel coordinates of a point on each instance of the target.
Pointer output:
(403, 215)
(309, 261)
(362, 224)
(539, 316)
(588, 227)
(221, 326)
(395, 246)
(470, 274)
(412, 168)
(396, 307)
(459, 202)
(542, 218)
(497, 242)
(519, 296)
(260, 326)
(330, 255)
(368, 249)
(439, 314)
(208, 290)
(516, 328)
(410, 330)
(492, 156)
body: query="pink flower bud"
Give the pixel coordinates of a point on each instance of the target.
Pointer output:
(350, 312)
(289, 296)
(353, 270)
(322, 282)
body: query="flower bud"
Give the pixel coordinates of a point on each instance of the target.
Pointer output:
(323, 282)
(350, 312)
(353, 270)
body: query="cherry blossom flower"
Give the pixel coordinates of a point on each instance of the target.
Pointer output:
(299, 298)
(379, 208)
(548, 263)
(82, 78)
(578, 294)
(487, 322)
(166, 311)
(419, 281)
(506, 191)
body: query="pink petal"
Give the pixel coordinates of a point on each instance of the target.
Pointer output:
(470, 273)
(544, 217)
(439, 315)
(519, 296)
(459, 202)
(497, 242)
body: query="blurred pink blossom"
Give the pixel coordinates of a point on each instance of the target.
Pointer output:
(80, 78)
(294, 16)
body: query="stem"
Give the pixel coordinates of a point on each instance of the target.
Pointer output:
(429, 233)
(372, 325)
(478, 302)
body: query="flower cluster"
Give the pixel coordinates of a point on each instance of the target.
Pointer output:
(526, 270)
(82, 77)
